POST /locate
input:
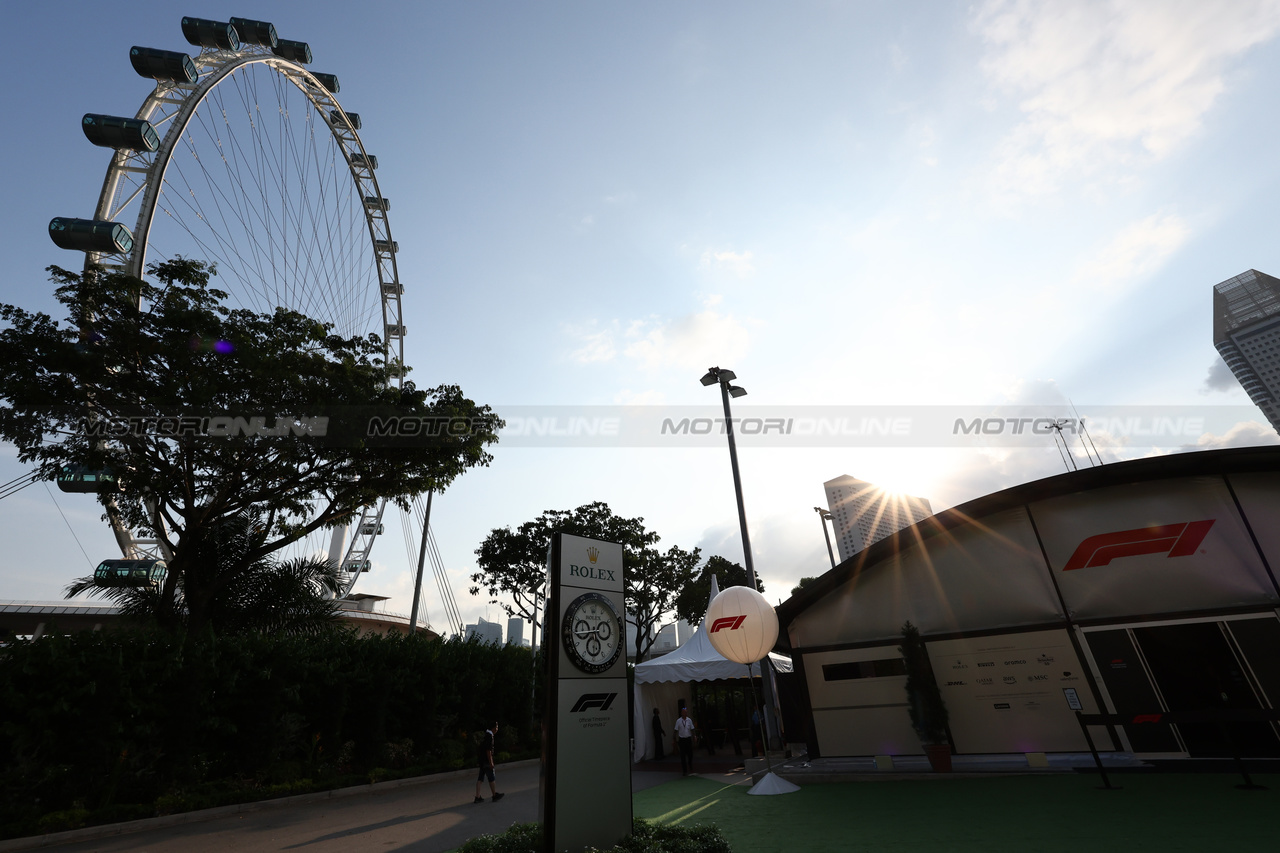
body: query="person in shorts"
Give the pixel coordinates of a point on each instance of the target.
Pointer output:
(485, 757)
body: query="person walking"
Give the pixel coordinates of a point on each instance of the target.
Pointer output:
(684, 740)
(486, 764)
(658, 734)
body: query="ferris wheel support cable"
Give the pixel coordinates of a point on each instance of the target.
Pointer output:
(442, 581)
(69, 527)
(17, 484)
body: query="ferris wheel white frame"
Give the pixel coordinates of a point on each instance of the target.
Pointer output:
(134, 175)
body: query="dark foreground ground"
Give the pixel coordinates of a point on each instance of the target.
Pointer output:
(1045, 812)
(1050, 811)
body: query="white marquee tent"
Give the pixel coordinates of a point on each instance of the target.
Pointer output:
(661, 682)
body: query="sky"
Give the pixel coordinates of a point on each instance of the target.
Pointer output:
(861, 204)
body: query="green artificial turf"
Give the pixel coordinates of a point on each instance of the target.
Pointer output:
(1054, 812)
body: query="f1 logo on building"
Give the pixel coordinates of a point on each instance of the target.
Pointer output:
(728, 623)
(1175, 540)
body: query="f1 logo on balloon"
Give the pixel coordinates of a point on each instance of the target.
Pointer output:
(730, 623)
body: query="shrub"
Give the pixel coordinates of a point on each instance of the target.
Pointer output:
(141, 719)
(645, 837)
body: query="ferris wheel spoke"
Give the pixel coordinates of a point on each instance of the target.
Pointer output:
(216, 193)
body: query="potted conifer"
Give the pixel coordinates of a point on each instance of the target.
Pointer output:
(928, 713)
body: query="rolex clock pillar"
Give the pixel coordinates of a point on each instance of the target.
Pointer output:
(585, 797)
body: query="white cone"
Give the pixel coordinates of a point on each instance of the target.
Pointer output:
(772, 784)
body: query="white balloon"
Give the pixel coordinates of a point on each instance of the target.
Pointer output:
(741, 625)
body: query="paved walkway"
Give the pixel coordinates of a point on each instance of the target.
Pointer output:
(427, 818)
(431, 817)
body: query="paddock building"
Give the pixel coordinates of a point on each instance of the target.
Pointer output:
(1132, 588)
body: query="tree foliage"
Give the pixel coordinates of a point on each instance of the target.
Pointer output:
(924, 699)
(513, 563)
(803, 583)
(652, 590)
(131, 348)
(691, 603)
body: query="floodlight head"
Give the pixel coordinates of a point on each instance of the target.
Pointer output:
(727, 375)
(710, 378)
(736, 391)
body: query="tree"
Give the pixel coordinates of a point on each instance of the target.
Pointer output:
(142, 354)
(924, 699)
(803, 583)
(513, 563)
(691, 601)
(652, 590)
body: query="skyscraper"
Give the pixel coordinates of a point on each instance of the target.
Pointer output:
(1246, 332)
(863, 513)
(486, 631)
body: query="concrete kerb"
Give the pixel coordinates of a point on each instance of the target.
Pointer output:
(106, 830)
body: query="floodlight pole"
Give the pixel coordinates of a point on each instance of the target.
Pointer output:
(823, 517)
(723, 378)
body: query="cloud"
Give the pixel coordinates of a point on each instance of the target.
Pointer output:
(595, 346)
(651, 397)
(1136, 252)
(1220, 378)
(1103, 83)
(1243, 434)
(693, 341)
(740, 264)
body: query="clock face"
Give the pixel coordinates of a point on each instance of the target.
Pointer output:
(592, 633)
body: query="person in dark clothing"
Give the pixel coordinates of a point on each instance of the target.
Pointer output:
(486, 764)
(658, 734)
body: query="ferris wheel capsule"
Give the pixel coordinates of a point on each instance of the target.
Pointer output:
(329, 81)
(120, 133)
(90, 235)
(206, 33)
(336, 117)
(294, 51)
(255, 32)
(169, 66)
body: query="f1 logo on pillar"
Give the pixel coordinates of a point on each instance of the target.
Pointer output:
(1174, 540)
(593, 700)
(727, 623)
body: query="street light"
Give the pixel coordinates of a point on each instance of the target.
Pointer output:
(722, 377)
(824, 516)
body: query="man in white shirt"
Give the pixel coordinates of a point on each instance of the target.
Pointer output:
(684, 740)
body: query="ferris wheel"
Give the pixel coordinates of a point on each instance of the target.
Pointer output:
(244, 158)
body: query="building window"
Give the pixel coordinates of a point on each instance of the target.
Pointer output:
(863, 669)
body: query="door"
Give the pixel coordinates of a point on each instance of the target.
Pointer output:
(1196, 669)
